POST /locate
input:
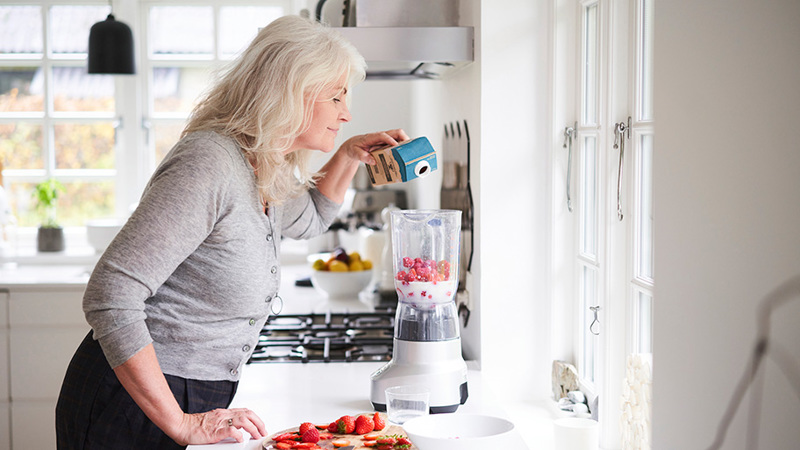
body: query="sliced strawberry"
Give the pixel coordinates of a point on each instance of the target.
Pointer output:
(304, 445)
(340, 443)
(371, 436)
(322, 426)
(287, 437)
(283, 445)
(403, 441)
(369, 444)
(325, 436)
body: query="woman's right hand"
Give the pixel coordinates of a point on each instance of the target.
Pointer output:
(213, 426)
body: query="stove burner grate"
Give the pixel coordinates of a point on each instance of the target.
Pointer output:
(330, 337)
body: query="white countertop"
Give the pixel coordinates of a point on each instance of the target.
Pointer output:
(21, 276)
(333, 389)
(286, 394)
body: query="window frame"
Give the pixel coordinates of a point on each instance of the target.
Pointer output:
(133, 116)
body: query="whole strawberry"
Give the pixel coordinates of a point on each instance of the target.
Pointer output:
(364, 425)
(377, 419)
(305, 426)
(346, 424)
(311, 435)
(333, 427)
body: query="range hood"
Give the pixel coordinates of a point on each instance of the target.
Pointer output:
(412, 52)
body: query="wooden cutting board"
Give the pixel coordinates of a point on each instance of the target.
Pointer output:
(355, 439)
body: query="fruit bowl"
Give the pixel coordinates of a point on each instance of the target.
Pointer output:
(341, 285)
(458, 432)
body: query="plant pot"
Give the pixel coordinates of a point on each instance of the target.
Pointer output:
(50, 239)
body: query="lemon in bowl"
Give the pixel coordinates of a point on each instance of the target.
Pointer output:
(342, 276)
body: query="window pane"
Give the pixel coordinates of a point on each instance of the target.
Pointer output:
(588, 200)
(79, 202)
(175, 89)
(70, 25)
(181, 30)
(166, 135)
(20, 196)
(84, 146)
(590, 61)
(644, 341)
(21, 30)
(646, 72)
(85, 200)
(21, 89)
(590, 340)
(646, 207)
(75, 90)
(21, 145)
(238, 25)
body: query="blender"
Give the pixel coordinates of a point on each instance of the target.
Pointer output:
(427, 339)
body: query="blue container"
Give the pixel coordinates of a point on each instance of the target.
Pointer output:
(404, 162)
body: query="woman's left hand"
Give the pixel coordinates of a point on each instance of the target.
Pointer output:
(359, 147)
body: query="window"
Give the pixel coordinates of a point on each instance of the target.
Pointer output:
(56, 120)
(590, 270)
(185, 43)
(102, 135)
(607, 70)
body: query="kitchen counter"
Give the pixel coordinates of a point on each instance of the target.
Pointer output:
(285, 395)
(282, 394)
(21, 276)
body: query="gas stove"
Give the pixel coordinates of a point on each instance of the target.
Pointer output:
(329, 337)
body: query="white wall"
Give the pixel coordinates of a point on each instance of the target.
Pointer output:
(515, 161)
(727, 225)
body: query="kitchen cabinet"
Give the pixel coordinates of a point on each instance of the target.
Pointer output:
(41, 325)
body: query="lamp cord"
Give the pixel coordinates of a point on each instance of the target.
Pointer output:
(782, 294)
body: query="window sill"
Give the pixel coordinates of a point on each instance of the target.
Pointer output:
(19, 248)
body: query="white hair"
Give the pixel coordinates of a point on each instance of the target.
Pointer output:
(264, 99)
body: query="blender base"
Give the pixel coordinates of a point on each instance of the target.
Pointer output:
(436, 365)
(435, 409)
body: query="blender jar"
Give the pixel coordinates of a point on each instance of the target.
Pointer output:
(426, 249)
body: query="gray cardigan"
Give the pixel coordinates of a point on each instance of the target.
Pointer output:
(195, 268)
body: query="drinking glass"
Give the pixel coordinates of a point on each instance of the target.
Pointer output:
(406, 402)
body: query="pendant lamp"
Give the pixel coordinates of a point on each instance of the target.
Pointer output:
(111, 47)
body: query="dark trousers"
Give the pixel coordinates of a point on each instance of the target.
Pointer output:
(94, 411)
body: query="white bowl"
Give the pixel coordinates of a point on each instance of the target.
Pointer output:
(458, 432)
(100, 233)
(341, 285)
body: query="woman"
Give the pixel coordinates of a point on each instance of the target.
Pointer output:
(177, 301)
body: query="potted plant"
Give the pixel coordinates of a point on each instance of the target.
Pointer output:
(50, 236)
